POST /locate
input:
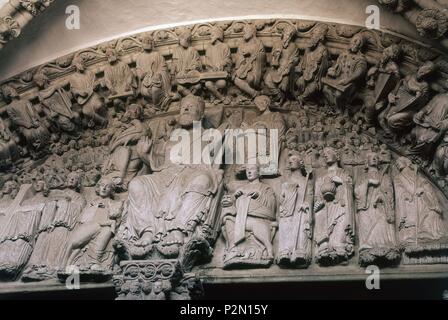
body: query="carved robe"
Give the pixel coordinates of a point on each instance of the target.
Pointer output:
(217, 57)
(295, 224)
(283, 62)
(18, 233)
(174, 198)
(118, 78)
(185, 61)
(57, 105)
(314, 66)
(25, 117)
(376, 215)
(431, 124)
(82, 87)
(251, 58)
(51, 248)
(419, 211)
(249, 227)
(153, 73)
(334, 221)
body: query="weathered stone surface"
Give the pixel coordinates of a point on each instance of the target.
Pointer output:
(354, 126)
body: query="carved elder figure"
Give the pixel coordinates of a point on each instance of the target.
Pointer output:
(430, 132)
(217, 59)
(344, 77)
(249, 223)
(376, 215)
(118, 77)
(420, 213)
(82, 85)
(250, 62)
(296, 215)
(177, 200)
(25, 117)
(382, 79)
(313, 66)
(186, 65)
(333, 212)
(153, 74)
(285, 56)
(410, 96)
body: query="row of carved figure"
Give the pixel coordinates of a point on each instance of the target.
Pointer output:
(402, 107)
(15, 14)
(171, 210)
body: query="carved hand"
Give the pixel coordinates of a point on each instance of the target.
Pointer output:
(254, 195)
(238, 194)
(304, 207)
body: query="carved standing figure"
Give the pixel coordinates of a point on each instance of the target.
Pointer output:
(249, 223)
(313, 65)
(153, 74)
(376, 215)
(285, 56)
(420, 212)
(296, 215)
(63, 209)
(217, 59)
(333, 212)
(250, 62)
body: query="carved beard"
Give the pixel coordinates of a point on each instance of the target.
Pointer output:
(186, 120)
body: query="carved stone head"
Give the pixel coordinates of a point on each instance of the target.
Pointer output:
(9, 92)
(391, 53)
(148, 43)
(262, 103)
(318, 35)
(330, 155)
(357, 43)
(252, 172)
(134, 111)
(372, 160)
(216, 34)
(295, 161)
(79, 64)
(425, 70)
(288, 35)
(74, 181)
(10, 187)
(185, 38)
(250, 31)
(191, 110)
(112, 55)
(105, 187)
(41, 79)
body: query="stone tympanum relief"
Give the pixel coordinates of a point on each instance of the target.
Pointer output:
(353, 120)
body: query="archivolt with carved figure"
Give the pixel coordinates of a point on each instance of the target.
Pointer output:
(88, 179)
